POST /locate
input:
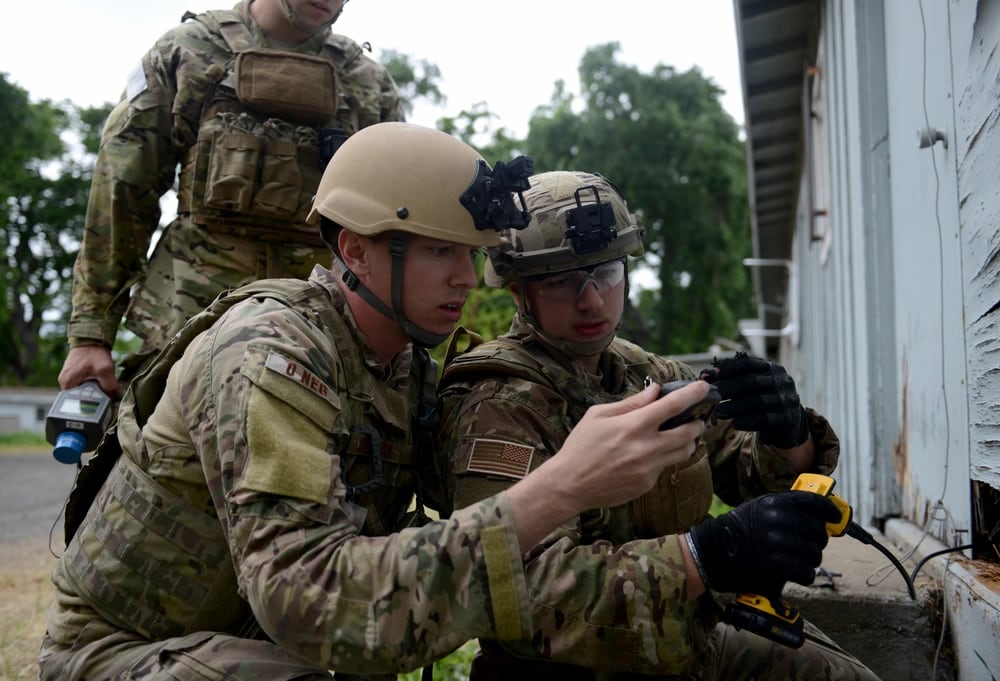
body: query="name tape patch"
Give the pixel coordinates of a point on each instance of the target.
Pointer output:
(298, 372)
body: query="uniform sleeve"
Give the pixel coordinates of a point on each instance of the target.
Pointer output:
(743, 467)
(391, 101)
(316, 586)
(621, 608)
(135, 166)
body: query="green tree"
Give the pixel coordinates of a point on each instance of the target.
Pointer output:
(476, 128)
(675, 153)
(44, 180)
(416, 79)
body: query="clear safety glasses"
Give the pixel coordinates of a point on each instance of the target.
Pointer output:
(571, 285)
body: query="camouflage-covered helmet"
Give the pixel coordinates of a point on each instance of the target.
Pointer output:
(404, 177)
(577, 220)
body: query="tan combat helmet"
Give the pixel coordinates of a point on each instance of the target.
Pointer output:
(402, 179)
(577, 220)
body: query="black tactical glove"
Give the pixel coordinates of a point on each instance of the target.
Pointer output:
(759, 396)
(764, 542)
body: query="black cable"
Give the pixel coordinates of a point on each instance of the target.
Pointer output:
(913, 575)
(862, 535)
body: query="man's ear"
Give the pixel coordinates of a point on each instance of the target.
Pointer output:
(354, 251)
(515, 293)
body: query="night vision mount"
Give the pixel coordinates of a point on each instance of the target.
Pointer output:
(490, 197)
(590, 227)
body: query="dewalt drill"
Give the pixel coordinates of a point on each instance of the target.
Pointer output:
(773, 618)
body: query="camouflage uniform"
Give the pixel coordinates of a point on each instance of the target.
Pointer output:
(244, 532)
(247, 175)
(609, 590)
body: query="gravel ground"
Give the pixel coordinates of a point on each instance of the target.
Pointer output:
(33, 488)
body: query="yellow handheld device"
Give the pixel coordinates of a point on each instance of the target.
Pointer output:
(769, 616)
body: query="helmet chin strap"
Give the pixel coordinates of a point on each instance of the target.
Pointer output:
(397, 249)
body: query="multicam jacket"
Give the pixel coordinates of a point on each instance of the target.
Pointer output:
(249, 166)
(265, 486)
(609, 589)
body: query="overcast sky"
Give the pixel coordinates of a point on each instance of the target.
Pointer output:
(507, 54)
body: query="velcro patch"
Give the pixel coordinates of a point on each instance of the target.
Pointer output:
(136, 84)
(497, 457)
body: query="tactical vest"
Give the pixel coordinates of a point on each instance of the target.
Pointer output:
(521, 356)
(682, 496)
(263, 142)
(150, 562)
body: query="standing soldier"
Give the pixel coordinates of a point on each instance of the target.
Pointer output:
(626, 589)
(250, 103)
(255, 522)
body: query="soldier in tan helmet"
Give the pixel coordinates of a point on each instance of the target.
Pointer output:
(255, 522)
(631, 589)
(243, 107)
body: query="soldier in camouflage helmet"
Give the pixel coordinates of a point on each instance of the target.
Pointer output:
(249, 103)
(256, 523)
(619, 589)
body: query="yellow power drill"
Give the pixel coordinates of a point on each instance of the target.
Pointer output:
(773, 618)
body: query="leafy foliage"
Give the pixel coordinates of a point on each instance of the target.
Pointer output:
(673, 151)
(454, 667)
(475, 128)
(44, 181)
(415, 79)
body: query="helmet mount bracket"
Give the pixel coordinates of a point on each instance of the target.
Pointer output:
(590, 228)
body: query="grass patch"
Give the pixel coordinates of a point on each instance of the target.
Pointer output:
(25, 594)
(454, 667)
(23, 443)
(23, 440)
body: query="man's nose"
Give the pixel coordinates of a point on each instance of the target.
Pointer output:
(464, 273)
(589, 293)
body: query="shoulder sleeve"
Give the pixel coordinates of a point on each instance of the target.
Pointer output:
(261, 412)
(743, 467)
(136, 164)
(497, 431)
(367, 87)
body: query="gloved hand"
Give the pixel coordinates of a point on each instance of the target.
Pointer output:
(759, 396)
(764, 542)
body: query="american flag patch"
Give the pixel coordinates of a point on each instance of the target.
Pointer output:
(496, 457)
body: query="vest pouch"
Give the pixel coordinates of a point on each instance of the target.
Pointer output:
(280, 180)
(681, 498)
(232, 170)
(288, 85)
